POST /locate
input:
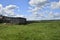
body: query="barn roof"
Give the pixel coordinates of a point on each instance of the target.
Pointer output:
(12, 17)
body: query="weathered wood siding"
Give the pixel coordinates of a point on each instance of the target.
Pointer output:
(13, 20)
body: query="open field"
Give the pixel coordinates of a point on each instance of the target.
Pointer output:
(34, 31)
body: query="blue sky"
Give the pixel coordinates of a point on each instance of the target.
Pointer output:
(23, 4)
(24, 7)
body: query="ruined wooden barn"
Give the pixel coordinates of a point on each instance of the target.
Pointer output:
(1, 18)
(12, 20)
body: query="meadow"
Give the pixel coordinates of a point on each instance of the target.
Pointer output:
(33, 31)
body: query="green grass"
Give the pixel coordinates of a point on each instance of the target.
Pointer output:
(34, 31)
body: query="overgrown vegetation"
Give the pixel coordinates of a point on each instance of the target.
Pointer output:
(34, 31)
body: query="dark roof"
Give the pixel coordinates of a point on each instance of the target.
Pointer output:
(15, 17)
(0, 15)
(12, 17)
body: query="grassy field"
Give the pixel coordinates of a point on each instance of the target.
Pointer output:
(33, 31)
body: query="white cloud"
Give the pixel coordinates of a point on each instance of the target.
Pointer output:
(55, 5)
(56, 15)
(50, 14)
(11, 7)
(37, 5)
(9, 10)
(1, 7)
(37, 2)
